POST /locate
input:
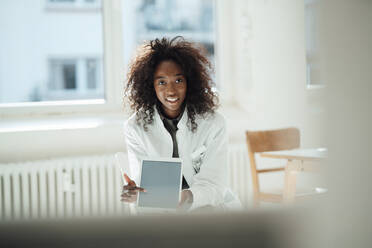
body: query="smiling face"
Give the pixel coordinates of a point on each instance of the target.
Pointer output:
(170, 87)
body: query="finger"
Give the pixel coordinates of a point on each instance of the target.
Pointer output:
(126, 195)
(129, 194)
(128, 198)
(181, 202)
(133, 192)
(129, 187)
(127, 179)
(141, 189)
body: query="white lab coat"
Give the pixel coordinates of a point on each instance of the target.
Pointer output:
(204, 155)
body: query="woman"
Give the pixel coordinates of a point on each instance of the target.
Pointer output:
(169, 88)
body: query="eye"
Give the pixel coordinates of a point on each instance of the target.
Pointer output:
(179, 80)
(161, 82)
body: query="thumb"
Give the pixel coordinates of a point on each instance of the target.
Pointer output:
(127, 179)
(182, 200)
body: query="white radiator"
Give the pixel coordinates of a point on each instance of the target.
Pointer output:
(240, 176)
(58, 188)
(82, 186)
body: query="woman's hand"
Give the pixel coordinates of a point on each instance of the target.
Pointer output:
(130, 191)
(186, 200)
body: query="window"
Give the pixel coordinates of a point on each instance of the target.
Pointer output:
(150, 19)
(56, 61)
(72, 79)
(311, 36)
(62, 75)
(50, 56)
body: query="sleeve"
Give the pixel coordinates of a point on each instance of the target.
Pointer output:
(136, 152)
(211, 182)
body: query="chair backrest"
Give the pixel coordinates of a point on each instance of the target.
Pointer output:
(269, 140)
(273, 140)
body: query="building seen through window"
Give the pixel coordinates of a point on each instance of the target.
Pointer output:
(73, 79)
(50, 55)
(55, 51)
(145, 20)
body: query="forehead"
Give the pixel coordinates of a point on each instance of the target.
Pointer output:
(168, 67)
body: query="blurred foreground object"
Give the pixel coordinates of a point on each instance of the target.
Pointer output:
(269, 229)
(346, 38)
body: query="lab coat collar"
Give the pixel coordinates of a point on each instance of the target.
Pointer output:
(182, 124)
(163, 117)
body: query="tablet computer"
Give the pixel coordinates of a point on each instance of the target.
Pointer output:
(162, 179)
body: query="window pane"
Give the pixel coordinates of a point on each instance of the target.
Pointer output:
(63, 75)
(150, 19)
(91, 73)
(49, 55)
(69, 76)
(311, 36)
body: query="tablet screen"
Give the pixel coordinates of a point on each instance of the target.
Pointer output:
(162, 181)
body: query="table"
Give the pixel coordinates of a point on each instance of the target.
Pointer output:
(305, 160)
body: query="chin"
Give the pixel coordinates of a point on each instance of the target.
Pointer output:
(174, 108)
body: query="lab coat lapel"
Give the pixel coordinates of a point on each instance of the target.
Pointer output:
(184, 145)
(163, 136)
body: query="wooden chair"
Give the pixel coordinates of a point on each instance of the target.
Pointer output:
(265, 141)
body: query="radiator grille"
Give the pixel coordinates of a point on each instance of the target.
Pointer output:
(59, 188)
(240, 177)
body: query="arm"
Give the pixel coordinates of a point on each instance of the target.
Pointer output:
(136, 152)
(211, 181)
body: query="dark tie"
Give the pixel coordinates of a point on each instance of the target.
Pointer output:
(171, 126)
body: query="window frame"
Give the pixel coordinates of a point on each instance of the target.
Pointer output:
(112, 75)
(75, 4)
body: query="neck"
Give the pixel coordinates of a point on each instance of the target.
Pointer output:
(173, 115)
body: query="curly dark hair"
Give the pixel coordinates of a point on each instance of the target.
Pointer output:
(200, 99)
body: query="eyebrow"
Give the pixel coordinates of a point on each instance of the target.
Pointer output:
(159, 77)
(178, 74)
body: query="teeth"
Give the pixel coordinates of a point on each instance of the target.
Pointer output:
(172, 99)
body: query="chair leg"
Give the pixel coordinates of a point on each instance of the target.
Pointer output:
(290, 181)
(256, 200)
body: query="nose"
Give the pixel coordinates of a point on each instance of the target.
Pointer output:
(171, 89)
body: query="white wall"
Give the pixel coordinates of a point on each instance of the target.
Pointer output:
(41, 138)
(264, 71)
(268, 68)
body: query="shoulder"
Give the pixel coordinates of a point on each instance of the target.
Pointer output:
(216, 119)
(135, 123)
(131, 125)
(130, 122)
(211, 123)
